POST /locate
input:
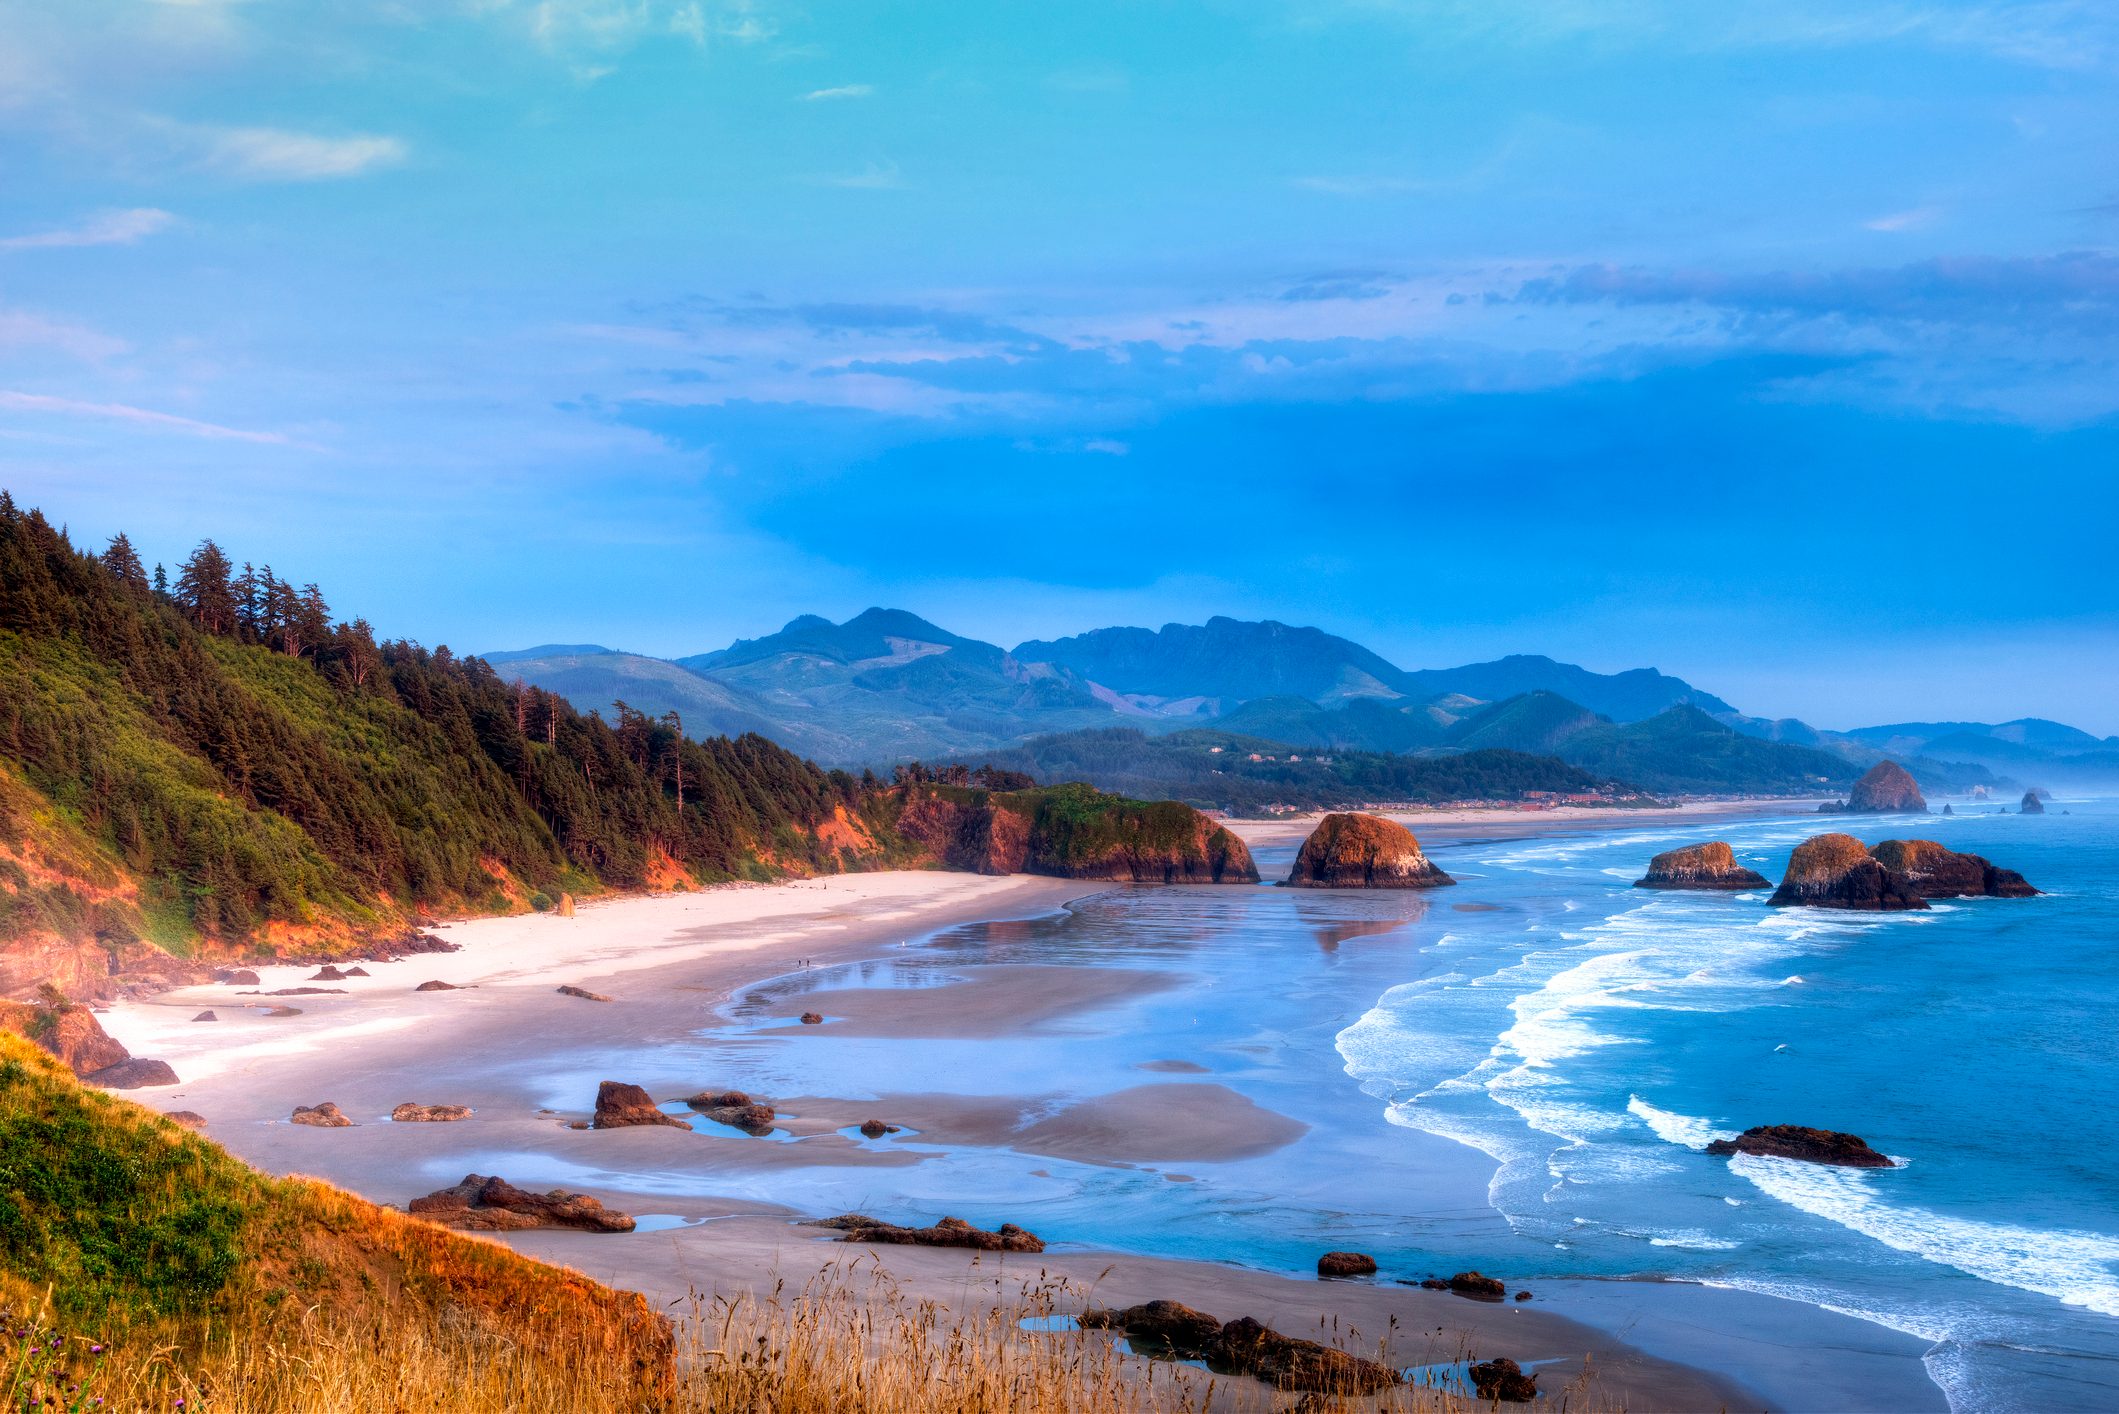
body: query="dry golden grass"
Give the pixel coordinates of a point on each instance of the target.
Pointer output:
(846, 1343)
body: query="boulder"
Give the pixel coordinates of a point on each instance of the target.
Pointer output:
(307, 992)
(1932, 871)
(190, 1119)
(1479, 1286)
(876, 1129)
(329, 973)
(584, 993)
(354, 972)
(949, 1232)
(736, 1110)
(1699, 866)
(1247, 1347)
(565, 907)
(324, 1116)
(206, 1016)
(2032, 805)
(1172, 1325)
(1887, 788)
(1795, 1141)
(410, 1113)
(482, 1204)
(132, 1073)
(619, 1105)
(1836, 871)
(437, 986)
(1346, 1264)
(1350, 850)
(811, 1018)
(1503, 1380)
(236, 977)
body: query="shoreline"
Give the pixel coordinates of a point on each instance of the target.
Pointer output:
(672, 963)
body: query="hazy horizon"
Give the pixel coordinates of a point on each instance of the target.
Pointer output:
(1769, 345)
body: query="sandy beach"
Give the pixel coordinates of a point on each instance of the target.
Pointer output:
(726, 973)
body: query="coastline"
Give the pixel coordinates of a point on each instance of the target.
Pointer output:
(670, 962)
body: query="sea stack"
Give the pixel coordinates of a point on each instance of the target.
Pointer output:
(1935, 872)
(1699, 866)
(1836, 871)
(1812, 1146)
(1888, 788)
(1356, 851)
(2032, 805)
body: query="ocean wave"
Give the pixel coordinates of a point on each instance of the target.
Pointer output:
(2075, 1267)
(1695, 1242)
(1674, 1128)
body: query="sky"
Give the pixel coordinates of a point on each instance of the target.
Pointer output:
(1773, 343)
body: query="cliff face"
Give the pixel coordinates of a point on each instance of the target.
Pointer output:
(1836, 871)
(1699, 866)
(1072, 832)
(1355, 851)
(1935, 872)
(1886, 788)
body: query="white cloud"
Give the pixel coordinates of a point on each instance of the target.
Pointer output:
(22, 330)
(125, 412)
(278, 154)
(850, 90)
(1911, 220)
(109, 228)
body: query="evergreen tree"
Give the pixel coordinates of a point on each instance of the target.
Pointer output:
(204, 591)
(124, 562)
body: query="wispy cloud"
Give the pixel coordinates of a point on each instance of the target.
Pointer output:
(280, 154)
(125, 412)
(20, 329)
(109, 228)
(1911, 220)
(847, 90)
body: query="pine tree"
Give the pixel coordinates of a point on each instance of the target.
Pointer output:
(204, 591)
(124, 562)
(161, 580)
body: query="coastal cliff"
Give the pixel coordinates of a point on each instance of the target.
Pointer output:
(1068, 832)
(1350, 850)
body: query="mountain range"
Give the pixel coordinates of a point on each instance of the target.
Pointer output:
(888, 686)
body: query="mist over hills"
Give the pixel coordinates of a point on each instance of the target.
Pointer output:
(887, 686)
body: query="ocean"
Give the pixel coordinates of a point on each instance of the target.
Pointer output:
(1517, 1074)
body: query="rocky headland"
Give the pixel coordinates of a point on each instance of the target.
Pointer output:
(1071, 832)
(1350, 850)
(1699, 866)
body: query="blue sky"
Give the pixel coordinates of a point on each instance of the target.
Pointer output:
(1772, 344)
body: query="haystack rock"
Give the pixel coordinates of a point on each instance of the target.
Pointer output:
(2032, 805)
(1812, 1146)
(1699, 866)
(1355, 851)
(482, 1204)
(1935, 872)
(619, 1105)
(324, 1116)
(1836, 871)
(1888, 788)
(206, 1016)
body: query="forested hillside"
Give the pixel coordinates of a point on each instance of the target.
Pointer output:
(210, 758)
